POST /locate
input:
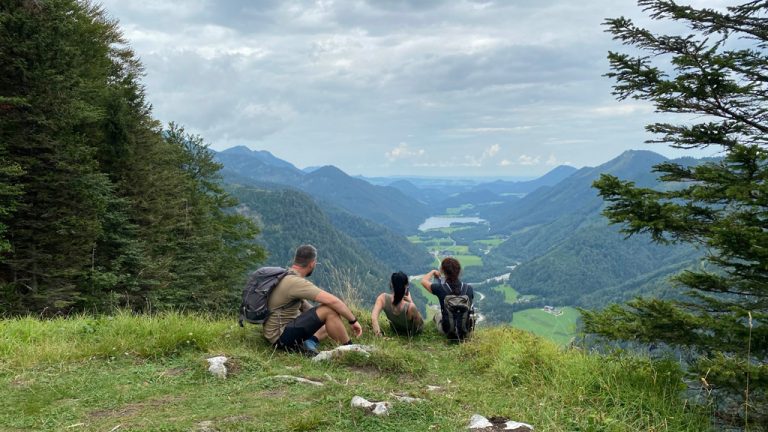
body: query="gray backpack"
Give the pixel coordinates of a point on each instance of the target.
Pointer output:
(254, 308)
(458, 322)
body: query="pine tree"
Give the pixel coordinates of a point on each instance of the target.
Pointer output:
(99, 207)
(55, 57)
(716, 76)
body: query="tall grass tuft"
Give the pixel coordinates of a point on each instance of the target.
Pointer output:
(25, 342)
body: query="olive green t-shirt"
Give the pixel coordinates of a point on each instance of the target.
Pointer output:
(285, 303)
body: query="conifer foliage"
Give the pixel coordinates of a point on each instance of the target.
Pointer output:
(100, 207)
(715, 77)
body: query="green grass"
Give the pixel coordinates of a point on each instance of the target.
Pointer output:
(131, 373)
(469, 260)
(560, 329)
(456, 249)
(458, 211)
(510, 295)
(492, 242)
(451, 230)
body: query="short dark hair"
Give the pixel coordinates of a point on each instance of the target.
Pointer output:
(305, 254)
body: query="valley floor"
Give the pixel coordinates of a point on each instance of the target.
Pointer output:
(149, 373)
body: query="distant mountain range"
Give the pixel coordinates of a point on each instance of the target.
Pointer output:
(552, 226)
(382, 204)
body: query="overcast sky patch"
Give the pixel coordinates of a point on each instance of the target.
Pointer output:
(427, 87)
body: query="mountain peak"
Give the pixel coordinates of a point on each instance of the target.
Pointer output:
(241, 149)
(329, 171)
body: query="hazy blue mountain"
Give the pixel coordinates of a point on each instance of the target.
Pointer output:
(430, 196)
(260, 166)
(382, 204)
(477, 198)
(523, 187)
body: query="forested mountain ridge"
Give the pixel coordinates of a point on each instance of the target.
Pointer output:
(101, 207)
(259, 166)
(289, 218)
(567, 250)
(381, 204)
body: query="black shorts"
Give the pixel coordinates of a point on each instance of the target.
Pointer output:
(299, 330)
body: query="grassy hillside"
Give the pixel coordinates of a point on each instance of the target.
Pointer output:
(559, 327)
(149, 373)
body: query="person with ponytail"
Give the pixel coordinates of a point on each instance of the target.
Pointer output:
(404, 318)
(450, 268)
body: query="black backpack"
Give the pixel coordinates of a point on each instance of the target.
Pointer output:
(254, 308)
(458, 322)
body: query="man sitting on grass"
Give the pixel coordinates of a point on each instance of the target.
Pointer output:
(294, 325)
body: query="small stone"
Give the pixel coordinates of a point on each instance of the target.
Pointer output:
(407, 399)
(377, 408)
(217, 367)
(299, 379)
(518, 427)
(479, 422)
(327, 355)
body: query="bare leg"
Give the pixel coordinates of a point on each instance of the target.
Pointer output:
(321, 334)
(334, 327)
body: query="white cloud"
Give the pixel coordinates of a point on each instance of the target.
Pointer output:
(621, 110)
(403, 151)
(528, 160)
(551, 161)
(491, 151)
(491, 129)
(505, 162)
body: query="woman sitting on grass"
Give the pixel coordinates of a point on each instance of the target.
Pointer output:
(404, 317)
(455, 318)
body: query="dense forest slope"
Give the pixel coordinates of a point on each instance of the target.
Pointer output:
(567, 250)
(100, 205)
(289, 218)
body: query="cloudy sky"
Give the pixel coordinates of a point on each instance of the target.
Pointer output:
(399, 87)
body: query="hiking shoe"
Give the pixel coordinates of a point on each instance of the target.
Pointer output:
(310, 347)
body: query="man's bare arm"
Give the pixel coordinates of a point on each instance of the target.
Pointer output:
(335, 303)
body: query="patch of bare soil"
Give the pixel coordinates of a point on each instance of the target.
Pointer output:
(21, 383)
(131, 410)
(173, 372)
(273, 394)
(369, 370)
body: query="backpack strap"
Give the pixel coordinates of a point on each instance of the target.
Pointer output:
(450, 290)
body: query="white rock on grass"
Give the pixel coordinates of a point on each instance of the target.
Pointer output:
(298, 379)
(407, 399)
(327, 355)
(512, 425)
(216, 366)
(377, 408)
(479, 422)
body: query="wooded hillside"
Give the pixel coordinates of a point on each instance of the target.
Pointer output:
(100, 206)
